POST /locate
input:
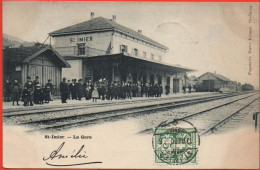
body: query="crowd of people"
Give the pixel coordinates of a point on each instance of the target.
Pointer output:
(32, 92)
(35, 93)
(102, 89)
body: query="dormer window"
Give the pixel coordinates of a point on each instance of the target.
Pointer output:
(123, 48)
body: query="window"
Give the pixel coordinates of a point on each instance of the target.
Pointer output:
(152, 56)
(144, 54)
(81, 49)
(160, 58)
(18, 68)
(123, 48)
(135, 52)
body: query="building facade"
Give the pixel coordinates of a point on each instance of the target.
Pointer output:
(102, 48)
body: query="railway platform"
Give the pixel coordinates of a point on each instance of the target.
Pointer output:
(8, 106)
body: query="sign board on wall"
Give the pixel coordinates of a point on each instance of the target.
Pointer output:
(81, 39)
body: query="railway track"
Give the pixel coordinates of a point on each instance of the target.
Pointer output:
(210, 120)
(61, 123)
(236, 116)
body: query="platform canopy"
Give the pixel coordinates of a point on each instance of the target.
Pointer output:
(127, 59)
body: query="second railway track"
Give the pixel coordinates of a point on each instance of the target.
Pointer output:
(59, 123)
(212, 119)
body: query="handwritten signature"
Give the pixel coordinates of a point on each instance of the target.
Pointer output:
(57, 155)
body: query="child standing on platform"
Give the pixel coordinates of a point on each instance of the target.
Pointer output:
(95, 93)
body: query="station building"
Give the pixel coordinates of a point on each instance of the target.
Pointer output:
(102, 48)
(210, 82)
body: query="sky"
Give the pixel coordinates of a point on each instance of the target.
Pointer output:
(207, 37)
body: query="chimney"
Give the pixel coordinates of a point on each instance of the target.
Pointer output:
(114, 18)
(140, 31)
(92, 15)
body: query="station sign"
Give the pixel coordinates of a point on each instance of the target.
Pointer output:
(81, 39)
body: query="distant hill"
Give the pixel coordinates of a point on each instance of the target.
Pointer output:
(14, 42)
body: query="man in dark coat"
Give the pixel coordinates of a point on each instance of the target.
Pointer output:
(189, 88)
(30, 88)
(184, 89)
(87, 90)
(16, 92)
(142, 89)
(112, 91)
(69, 83)
(156, 90)
(64, 89)
(25, 96)
(36, 81)
(167, 89)
(117, 90)
(48, 91)
(123, 90)
(146, 90)
(104, 85)
(38, 93)
(79, 89)
(7, 90)
(160, 90)
(128, 90)
(73, 89)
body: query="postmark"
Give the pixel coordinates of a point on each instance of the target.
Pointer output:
(176, 143)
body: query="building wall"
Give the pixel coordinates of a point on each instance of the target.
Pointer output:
(101, 43)
(131, 43)
(75, 71)
(66, 45)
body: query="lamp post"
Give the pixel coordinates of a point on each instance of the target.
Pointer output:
(209, 82)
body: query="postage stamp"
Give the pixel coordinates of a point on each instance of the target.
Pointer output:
(176, 144)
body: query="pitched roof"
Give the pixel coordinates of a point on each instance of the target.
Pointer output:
(25, 54)
(102, 24)
(213, 76)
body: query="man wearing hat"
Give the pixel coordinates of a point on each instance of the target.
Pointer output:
(48, 91)
(73, 89)
(36, 81)
(69, 83)
(28, 80)
(64, 89)
(79, 86)
(38, 94)
(30, 88)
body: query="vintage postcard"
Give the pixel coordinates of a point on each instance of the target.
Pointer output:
(140, 85)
